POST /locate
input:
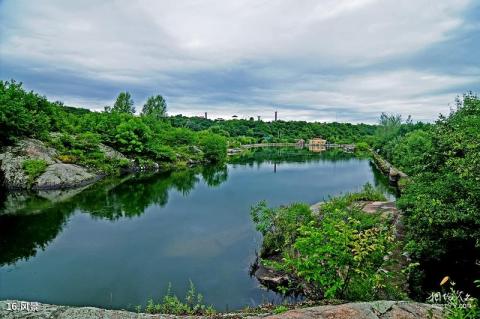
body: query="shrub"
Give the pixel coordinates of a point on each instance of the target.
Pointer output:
(278, 226)
(340, 253)
(171, 304)
(340, 257)
(213, 146)
(34, 168)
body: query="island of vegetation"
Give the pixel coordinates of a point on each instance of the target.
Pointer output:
(337, 251)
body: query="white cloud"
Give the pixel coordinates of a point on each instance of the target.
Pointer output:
(159, 43)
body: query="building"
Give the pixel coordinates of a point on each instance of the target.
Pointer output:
(317, 141)
(317, 145)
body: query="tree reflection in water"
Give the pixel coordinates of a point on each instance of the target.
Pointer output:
(30, 221)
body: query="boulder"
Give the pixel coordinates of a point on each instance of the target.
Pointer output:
(12, 158)
(59, 175)
(271, 278)
(111, 153)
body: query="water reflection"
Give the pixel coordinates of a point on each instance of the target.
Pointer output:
(30, 220)
(122, 240)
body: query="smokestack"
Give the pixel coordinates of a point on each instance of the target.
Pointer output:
(205, 114)
(276, 116)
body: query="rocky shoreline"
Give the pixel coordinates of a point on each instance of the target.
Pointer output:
(274, 279)
(57, 174)
(359, 310)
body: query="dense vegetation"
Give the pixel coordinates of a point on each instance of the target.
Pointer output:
(339, 253)
(241, 131)
(442, 200)
(79, 134)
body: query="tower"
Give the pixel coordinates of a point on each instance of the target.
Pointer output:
(276, 115)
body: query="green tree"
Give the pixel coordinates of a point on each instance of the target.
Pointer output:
(124, 104)
(213, 146)
(155, 106)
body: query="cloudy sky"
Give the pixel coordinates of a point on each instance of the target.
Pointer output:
(316, 60)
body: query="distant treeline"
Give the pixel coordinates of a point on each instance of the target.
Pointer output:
(253, 131)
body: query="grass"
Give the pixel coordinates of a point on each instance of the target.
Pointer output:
(34, 168)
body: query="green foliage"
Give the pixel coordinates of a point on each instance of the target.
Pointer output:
(457, 305)
(25, 114)
(368, 193)
(34, 168)
(342, 255)
(132, 135)
(248, 132)
(124, 104)
(362, 147)
(213, 146)
(442, 198)
(171, 304)
(340, 252)
(156, 106)
(279, 225)
(280, 309)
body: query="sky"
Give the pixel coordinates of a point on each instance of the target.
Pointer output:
(314, 60)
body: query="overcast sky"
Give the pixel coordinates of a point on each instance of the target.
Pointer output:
(344, 60)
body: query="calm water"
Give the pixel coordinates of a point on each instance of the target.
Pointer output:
(119, 242)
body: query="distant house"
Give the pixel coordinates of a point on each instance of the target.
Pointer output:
(317, 141)
(317, 144)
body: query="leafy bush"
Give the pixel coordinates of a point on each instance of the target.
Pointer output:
(278, 226)
(23, 113)
(442, 200)
(340, 253)
(171, 304)
(280, 309)
(34, 168)
(457, 304)
(213, 146)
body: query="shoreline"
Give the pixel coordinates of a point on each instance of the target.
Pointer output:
(366, 310)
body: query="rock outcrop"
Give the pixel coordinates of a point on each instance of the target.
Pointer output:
(395, 176)
(360, 310)
(57, 175)
(61, 175)
(12, 158)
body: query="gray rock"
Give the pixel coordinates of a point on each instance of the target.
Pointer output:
(111, 153)
(63, 176)
(12, 158)
(359, 310)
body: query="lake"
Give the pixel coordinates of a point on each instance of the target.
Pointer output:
(123, 240)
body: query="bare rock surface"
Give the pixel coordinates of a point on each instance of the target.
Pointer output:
(360, 310)
(111, 153)
(61, 175)
(57, 175)
(12, 158)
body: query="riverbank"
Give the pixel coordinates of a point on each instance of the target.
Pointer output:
(395, 176)
(274, 278)
(34, 164)
(359, 310)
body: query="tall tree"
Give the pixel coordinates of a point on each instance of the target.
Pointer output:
(124, 104)
(155, 106)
